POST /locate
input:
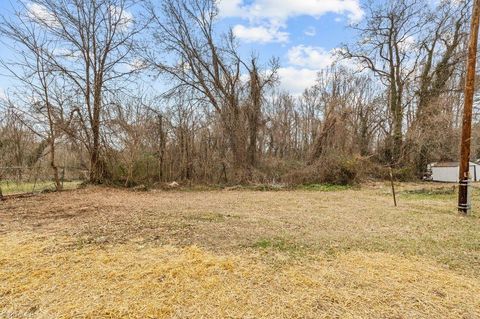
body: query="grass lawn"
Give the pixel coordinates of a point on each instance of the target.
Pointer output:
(315, 252)
(13, 188)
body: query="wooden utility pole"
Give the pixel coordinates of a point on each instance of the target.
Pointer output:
(463, 202)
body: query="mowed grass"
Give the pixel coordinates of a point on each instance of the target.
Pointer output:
(310, 253)
(15, 188)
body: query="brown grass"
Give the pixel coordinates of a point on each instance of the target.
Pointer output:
(104, 253)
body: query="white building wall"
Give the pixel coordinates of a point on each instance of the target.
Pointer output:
(450, 174)
(445, 174)
(475, 172)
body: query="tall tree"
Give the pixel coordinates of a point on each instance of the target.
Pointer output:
(442, 55)
(386, 48)
(90, 46)
(209, 64)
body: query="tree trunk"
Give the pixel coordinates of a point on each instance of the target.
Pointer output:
(234, 126)
(397, 114)
(58, 184)
(96, 167)
(254, 116)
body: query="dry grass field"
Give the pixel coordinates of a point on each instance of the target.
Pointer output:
(309, 253)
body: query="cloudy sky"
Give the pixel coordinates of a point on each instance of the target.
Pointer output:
(301, 33)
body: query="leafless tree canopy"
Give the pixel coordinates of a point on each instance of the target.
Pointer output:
(213, 115)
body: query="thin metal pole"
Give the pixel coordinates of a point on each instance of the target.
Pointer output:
(463, 205)
(393, 187)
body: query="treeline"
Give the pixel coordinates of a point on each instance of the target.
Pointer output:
(393, 98)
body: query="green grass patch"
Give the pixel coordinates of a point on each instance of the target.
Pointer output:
(433, 193)
(279, 244)
(13, 188)
(324, 187)
(208, 217)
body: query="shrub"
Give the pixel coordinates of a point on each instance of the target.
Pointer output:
(332, 169)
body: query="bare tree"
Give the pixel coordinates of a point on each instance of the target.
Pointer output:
(257, 86)
(32, 69)
(442, 55)
(387, 48)
(209, 64)
(90, 46)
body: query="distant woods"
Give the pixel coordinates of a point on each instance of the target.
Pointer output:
(139, 93)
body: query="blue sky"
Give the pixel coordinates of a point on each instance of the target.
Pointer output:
(301, 33)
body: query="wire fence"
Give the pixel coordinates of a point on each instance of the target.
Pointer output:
(37, 179)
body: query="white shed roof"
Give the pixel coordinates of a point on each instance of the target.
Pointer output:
(449, 164)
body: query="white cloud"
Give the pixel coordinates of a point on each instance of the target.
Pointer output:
(310, 32)
(409, 43)
(2, 94)
(296, 80)
(260, 34)
(41, 14)
(229, 8)
(67, 53)
(304, 64)
(315, 58)
(136, 65)
(124, 18)
(282, 10)
(274, 14)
